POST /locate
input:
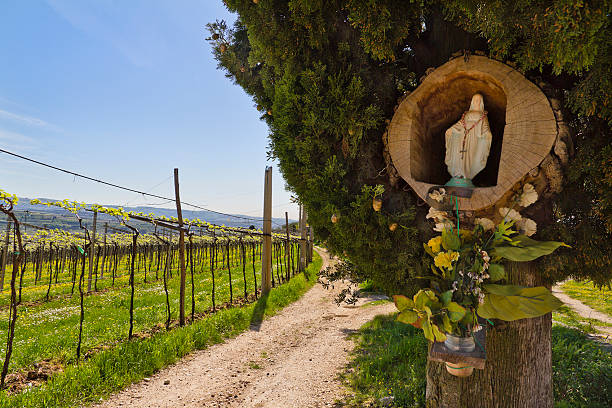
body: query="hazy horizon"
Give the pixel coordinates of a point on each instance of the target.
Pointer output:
(126, 92)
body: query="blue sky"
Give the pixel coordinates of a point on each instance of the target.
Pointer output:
(125, 91)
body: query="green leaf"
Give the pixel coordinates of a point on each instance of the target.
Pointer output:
(510, 302)
(467, 319)
(402, 302)
(424, 297)
(427, 330)
(448, 327)
(439, 336)
(446, 297)
(407, 316)
(526, 249)
(450, 241)
(496, 272)
(428, 250)
(455, 311)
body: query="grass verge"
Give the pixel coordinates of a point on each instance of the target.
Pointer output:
(390, 360)
(111, 370)
(567, 317)
(598, 299)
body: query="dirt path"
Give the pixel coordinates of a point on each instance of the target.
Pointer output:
(291, 360)
(584, 310)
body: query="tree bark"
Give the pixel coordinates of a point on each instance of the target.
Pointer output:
(518, 370)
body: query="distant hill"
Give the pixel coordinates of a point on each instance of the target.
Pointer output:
(55, 217)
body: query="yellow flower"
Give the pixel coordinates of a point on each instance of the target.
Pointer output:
(435, 244)
(446, 259)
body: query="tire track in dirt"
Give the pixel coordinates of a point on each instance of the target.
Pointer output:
(290, 360)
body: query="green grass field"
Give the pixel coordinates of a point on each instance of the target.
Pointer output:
(124, 362)
(390, 360)
(598, 299)
(49, 330)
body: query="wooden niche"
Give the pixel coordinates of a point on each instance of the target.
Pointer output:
(520, 117)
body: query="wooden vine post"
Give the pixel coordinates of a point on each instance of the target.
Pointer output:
(18, 254)
(287, 259)
(266, 261)
(86, 247)
(181, 249)
(192, 282)
(91, 252)
(132, 277)
(303, 243)
(311, 241)
(5, 252)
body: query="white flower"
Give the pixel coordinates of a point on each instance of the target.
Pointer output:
(528, 196)
(438, 195)
(486, 223)
(441, 226)
(437, 215)
(509, 214)
(527, 226)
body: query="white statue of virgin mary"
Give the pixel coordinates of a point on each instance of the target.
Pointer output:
(467, 144)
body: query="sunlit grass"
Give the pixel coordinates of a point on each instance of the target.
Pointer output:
(128, 361)
(49, 330)
(390, 361)
(598, 299)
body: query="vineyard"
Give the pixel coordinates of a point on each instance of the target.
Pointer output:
(72, 295)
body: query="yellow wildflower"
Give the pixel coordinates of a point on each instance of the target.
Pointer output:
(446, 259)
(435, 244)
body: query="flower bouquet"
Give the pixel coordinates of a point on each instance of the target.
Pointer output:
(466, 272)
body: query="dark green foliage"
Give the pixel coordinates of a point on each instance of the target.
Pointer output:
(327, 74)
(390, 359)
(564, 37)
(569, 44)
(584, 212)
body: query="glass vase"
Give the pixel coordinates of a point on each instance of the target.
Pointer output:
(459, 344)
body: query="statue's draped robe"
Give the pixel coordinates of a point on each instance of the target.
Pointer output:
(477, 143)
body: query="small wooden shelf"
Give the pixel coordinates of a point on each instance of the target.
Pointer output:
(476, 358)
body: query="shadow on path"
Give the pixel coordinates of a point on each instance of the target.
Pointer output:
(258, 312)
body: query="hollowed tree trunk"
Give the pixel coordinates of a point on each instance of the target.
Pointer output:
(518, 371)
